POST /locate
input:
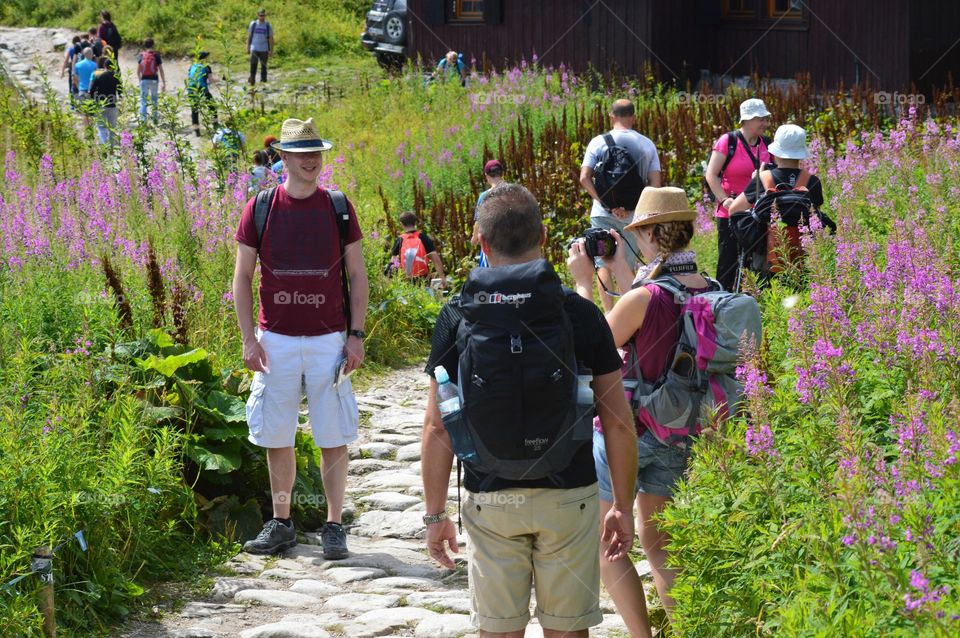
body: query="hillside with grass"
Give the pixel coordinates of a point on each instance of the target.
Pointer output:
(305, 30)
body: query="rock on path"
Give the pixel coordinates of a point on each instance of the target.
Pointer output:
(387, 587)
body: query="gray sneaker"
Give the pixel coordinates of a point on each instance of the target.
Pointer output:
(272, 539)
(334, 541)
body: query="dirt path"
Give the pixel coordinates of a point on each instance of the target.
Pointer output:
(25, 51)
(29, 53)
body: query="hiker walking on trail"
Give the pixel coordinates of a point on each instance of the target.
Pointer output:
(104, 90)
(73, 55)
(644, 324)
(199, 77)
(526, 347)
(734, 160)
(107, 31)
(616, 167)
(259, 45)
(313, 302)
(82, 76)
(150, 74)
(493, 174)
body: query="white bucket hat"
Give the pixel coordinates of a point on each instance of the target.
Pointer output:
(752, 108)
(789, 142)
(300, 136)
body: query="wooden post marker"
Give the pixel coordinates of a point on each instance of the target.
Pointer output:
(42, 565)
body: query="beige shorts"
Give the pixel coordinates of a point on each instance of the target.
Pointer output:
(298, 366)
(547, 537)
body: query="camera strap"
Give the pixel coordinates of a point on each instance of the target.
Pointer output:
(688, 268)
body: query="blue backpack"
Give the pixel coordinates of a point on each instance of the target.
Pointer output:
(460, 65)
(197, 77)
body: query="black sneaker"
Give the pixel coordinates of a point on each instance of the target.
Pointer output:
(334, 541)
(272, 539)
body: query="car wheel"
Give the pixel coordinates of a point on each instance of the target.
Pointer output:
(394, 29)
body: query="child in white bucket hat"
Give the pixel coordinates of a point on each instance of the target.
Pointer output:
(788, 148)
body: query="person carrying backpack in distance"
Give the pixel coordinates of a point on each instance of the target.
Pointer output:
(149, 71)
(313, 302)
(415, 251)
(452, 66)
(735, 157)
(672, 379)
(785, 191)
(616, 167)
(199, 77)
(70, 57)
(107, 31)
(259, 45)
(104, 90)
(520, 346)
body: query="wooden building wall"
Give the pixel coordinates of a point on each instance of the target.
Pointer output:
(848, 41)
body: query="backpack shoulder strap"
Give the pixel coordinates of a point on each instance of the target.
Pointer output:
(608, 140)
(341, 213)
(731, 150)
(670, 284)
(261, 210)
(802, 180)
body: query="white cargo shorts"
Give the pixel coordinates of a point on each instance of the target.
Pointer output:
(298, 366)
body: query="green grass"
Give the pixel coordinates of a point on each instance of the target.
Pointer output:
(305, 30)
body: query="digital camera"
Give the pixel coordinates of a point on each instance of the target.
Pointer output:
(598, 242)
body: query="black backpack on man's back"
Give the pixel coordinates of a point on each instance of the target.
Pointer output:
(617, 177)
(518, 375)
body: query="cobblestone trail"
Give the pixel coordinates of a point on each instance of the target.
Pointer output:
(387, 587)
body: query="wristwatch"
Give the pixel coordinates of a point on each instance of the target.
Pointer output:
(430, 519)
(360, 334)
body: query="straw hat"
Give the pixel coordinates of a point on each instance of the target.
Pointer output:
(298, 136)
(661, 205)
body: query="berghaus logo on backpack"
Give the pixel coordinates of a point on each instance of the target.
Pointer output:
(536, 445)
(515, 299)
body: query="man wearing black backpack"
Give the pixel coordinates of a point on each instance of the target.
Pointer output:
(516, 340)
(616, 167)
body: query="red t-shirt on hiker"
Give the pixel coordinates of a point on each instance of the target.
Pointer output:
(740, 169)
(300, 289)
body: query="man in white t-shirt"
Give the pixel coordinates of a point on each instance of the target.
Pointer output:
(644, 152)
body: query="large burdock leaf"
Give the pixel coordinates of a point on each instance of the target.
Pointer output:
(167, 366)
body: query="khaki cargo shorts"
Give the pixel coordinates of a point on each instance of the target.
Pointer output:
(547, 537)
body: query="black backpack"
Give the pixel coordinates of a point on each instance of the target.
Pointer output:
(112, 36)
(517, 370)
(264, 204)
(617, 177)
(793, 207)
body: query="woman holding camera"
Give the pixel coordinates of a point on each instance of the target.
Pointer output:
(646, 316)
(735, 157)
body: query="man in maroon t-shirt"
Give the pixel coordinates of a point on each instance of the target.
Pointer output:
(303, 340)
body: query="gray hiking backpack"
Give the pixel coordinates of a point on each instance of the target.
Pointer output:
(701, 377)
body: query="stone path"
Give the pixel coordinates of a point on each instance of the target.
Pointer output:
(387, 587)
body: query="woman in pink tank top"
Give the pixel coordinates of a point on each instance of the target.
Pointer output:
(728, 175)
(647, 315)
